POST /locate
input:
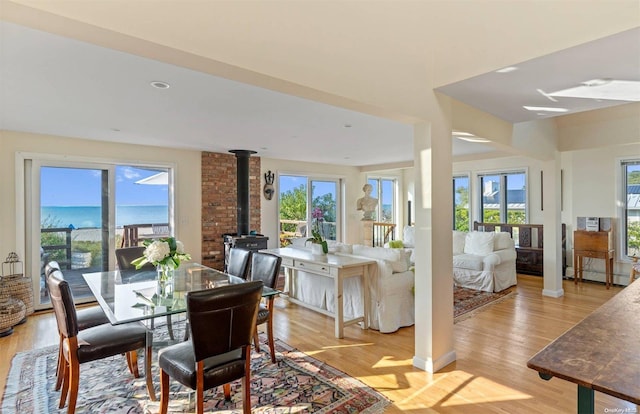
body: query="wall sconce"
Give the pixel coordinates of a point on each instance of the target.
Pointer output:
(268, 185)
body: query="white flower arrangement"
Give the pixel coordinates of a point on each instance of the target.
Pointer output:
(165, 253)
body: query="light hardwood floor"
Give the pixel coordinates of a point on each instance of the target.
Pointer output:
(489, 376)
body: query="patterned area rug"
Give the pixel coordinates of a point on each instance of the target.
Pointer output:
(296, 383)
(466, 302)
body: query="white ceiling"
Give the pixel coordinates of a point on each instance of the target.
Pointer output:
(60, 86)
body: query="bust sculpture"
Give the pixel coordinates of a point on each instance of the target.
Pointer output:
(367, 204)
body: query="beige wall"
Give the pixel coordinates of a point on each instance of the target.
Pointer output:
(187, 179)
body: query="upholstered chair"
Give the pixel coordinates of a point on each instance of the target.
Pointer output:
(87, 318)
(94, 343)
(266, 268)
(214, 357)
(239, 261)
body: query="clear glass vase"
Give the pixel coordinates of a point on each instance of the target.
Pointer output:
(165, 281)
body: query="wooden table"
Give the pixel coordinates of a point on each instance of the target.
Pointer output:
(335, 266)
(600, 353)
(594, 244)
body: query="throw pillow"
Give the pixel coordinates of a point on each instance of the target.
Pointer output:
(479, 243)
(396, 244)
(502, 241)
(458, 242)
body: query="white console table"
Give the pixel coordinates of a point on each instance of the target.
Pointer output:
(335, 266)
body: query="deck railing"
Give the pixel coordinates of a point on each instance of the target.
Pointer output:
(383, 233)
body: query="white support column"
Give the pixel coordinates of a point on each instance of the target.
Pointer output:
(552, 222)
(433, 240)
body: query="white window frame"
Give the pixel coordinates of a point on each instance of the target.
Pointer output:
(340, 207)
(27, 167)
(466, 175)
(621, 197)
(479, 207)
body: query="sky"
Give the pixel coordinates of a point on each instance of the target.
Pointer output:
(82, 187)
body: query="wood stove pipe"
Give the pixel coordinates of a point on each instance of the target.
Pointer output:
(242, 175)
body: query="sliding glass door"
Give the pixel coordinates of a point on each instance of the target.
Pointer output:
(78, 213)
(74, 224)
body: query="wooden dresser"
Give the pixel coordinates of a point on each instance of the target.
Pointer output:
(593, 244)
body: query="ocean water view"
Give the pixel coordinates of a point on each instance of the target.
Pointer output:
(91, 216)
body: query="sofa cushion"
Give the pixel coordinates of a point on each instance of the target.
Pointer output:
(408, 236)
(479, 243)
(397, 258)
(458, 241)
(468, 261)
(502, 241)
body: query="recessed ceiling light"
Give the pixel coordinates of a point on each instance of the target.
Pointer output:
(115, 129)
(545, 109)
(264, 148)
(160, 85)
(507, 69)
(347, 125)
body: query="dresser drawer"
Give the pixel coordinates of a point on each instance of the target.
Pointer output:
(312, 267)
(287, 262)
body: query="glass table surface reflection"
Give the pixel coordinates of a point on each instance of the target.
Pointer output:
(135, 295)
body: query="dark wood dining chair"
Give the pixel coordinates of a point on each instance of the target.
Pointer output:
(214, 357)
(266, 268)
(94, 343)
(86, 317)
(124, 257)
(239, 262)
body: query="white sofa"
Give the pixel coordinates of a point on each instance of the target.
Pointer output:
(390, 286)
(481, 261)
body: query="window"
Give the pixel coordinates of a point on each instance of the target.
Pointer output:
(384, 189)
(631, 206)
(503, 197)
(299, 196)
(461, 203)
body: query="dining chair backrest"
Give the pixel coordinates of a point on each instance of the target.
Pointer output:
(265, 267)
(239, 261)
(63, 306)
(50, 268)
(232, 309)
(126, 255)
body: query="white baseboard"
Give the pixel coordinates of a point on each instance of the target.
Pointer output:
(553, 293)
(431, 365)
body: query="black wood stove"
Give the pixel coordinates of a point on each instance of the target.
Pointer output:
(243, 238)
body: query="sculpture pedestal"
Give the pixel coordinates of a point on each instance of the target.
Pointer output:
(367, 232)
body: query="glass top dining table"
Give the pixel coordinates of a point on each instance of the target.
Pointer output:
(134, 295)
